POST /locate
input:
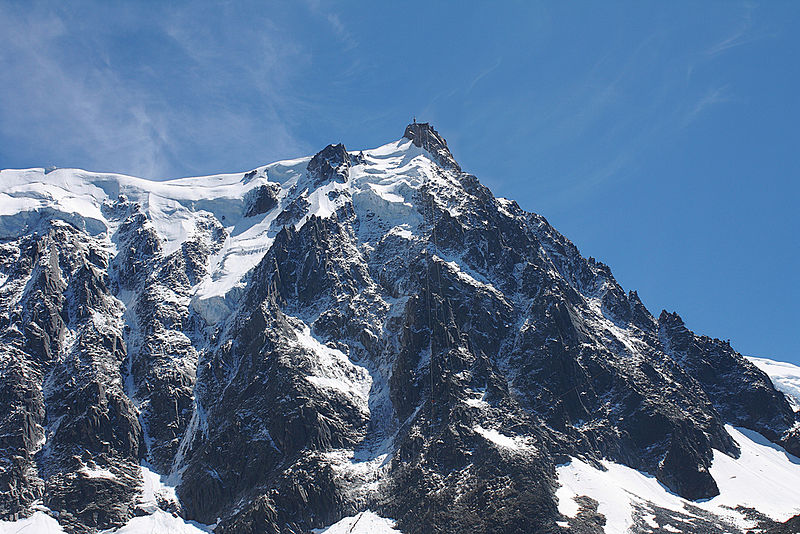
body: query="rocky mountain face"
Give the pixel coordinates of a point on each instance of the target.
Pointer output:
(322, 336)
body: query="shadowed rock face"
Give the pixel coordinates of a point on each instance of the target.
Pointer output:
(261, 200)
(741, 392)
(427, 351)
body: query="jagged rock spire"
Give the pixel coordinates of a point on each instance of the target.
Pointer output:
(423, 135)
(330, 163)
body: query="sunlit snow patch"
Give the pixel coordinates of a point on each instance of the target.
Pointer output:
(155, 491)
(39, 523)
(477, 399)
(516, 443)
(92, 470)
(162, 523)
(764, 477)
(332, 369)
(362, 523)
(384, 187)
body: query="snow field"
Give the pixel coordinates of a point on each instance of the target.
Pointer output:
(362, 523)
(764, 477)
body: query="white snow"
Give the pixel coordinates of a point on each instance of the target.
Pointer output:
(362, 523)
(622, 335)
(38, 523)
(764, 477)
(360, 474)
(154, 489)
(403, 231)
(332, 369)
(160, 522)
(385, 192)
(785, 376)
(96, 472)
(477, 399)
(469, 279)
(515, 443)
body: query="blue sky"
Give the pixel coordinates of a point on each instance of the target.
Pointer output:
(662, 138)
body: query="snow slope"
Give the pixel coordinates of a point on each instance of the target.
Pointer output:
(38, 523)
(363, 523)
(785, 376)
(764, 477)
(159, 522)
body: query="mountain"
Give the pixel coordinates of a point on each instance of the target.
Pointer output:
(350, 337)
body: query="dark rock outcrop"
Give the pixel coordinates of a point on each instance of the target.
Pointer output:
(332, 163)
(261, 200)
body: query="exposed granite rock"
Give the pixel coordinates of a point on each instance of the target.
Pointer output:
(261, 200)
(332, 163)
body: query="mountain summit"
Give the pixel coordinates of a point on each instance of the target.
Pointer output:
(424, 136)
(352, 337)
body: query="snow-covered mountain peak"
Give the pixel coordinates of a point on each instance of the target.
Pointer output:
(424, 135)
(354, 330)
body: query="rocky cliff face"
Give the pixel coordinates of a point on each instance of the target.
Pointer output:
(322, 336)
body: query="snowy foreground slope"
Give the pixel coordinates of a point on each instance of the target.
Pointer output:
(358, 341)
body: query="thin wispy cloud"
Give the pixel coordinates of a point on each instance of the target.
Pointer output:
(335, 23)
(155, 118)
(711, 97)
(481, 75)
(741, 35)
(613, 113)
(69, 103)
